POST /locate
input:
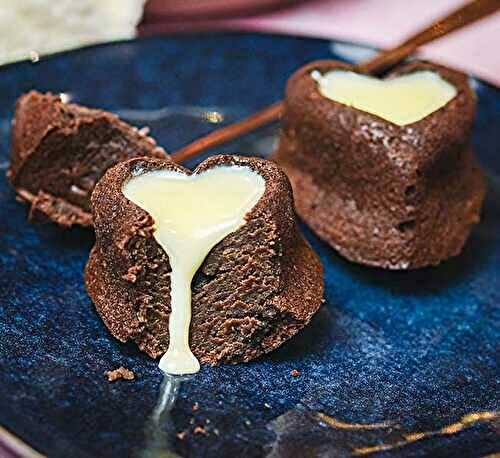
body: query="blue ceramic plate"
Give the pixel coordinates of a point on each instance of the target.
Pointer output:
(395, 363)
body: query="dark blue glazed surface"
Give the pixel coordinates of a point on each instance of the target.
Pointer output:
(416, 351)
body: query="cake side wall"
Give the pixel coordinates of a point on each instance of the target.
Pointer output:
(367, 186)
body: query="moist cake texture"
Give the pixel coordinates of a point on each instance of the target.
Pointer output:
(256, 288)
(60, 150)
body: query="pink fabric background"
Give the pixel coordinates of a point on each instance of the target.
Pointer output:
(381, 23)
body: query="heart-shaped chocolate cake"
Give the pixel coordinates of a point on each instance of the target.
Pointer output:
(382, 170)
(60, 150)
(207, 265)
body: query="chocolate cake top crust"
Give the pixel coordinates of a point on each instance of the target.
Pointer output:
(392, 196)
(60, 150)
(424, 142)
(255, 289)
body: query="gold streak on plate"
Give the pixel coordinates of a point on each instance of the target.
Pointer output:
(334, 423)
(465, 422)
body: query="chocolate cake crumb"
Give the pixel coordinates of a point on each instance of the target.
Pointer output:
(120, 373)
(295, 373)
(131, 275)
(200, 430)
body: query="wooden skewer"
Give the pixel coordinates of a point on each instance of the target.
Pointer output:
(465, 15)
(225, 134)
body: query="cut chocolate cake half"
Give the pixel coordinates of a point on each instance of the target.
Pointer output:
(254, 285)
(60, 150)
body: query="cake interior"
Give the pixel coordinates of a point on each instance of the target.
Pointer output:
(192, 213)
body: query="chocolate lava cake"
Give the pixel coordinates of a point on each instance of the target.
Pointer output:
(397, 197)
(256, 288)
(59, 152)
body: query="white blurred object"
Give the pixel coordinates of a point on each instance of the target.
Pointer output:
(29, 28)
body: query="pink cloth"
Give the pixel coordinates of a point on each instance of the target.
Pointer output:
(381, 23)
(385, 23)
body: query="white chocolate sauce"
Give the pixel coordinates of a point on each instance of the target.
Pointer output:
(401, 100)
(192, 213)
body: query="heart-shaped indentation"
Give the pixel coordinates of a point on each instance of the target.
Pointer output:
(401, 100)
(192, 213)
